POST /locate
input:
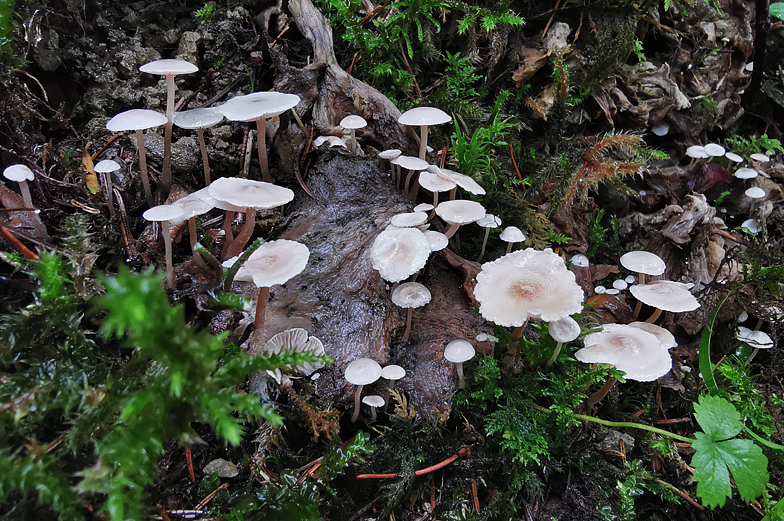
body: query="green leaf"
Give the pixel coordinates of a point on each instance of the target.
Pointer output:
(718, 456)
(777, 10)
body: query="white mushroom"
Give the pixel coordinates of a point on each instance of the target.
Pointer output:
(398, 253)
(563, 330)
(424, 117)
(487, 222)
(665, 295)
(297, 339)
(511, 235)
(352, 123)
(459, 212)
(374, 401)
(410, 295)
(435, 183)
(21, 174)
(457, 352)
(756, 339)
(163, 214)
(192, 205)
(105, 168)
(200, 119)
(361, 372)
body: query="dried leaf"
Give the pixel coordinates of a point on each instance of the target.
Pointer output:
(90, 177)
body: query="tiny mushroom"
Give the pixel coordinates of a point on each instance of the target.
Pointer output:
(665, 295)
(352, 123)
(21, 174)
(192, 205)
(751, 225)
(762, 158)
(755, 192)
(563, 330)
(389, 155)
(168, 68)
(457, 352)
(697, 152)
(580, 260)
(487, 222)
(332, 141)
(424, 117)
(139, 120)
(392, 373)
(435, 183)
(361, 372)
(105, 168)
(297, 339)
(459, 212)
(408, 220)
(756, 339)
(410, 295)
(745, 173)
(413, 165)
(398, 253)
(511, 235)
(163, 214)
(374, 401)
(200, 119)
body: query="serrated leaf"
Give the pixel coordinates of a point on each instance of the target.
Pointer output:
(717, 456)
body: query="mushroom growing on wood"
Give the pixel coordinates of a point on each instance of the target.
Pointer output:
(139, 120)
(361, 372)
(200, 119)
(353, 123)
(410, 295)
(424, 117)
(163, 214)
(21, 174)
(398, 253)
(457, 352)
(168, 68)
(459, 212)
(297, 339)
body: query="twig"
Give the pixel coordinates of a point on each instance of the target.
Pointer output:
(285, 29)
(189, 463)
(514, 163)
(354, 60)
(681, 493)
(550, 21)
(422, 472)
(408, 68)
(24, 250)
(210, 496)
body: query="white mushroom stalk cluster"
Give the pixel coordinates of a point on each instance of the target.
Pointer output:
(365, 371)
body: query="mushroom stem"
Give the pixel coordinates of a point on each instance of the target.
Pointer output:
(423, 142)
(601, 393)
(353, 147)
(261, 143)
(414, 192)
(205, 160)
(242, 238)
(408, 180)
(408, 324)
(484, 244)
(357, 393)
(25, 189)
(752, 355)
(460, 377)
(509, 247)
(551, 361)
(656, 313)
(518, 331)
(388, 393)
(637, 309)
(452, 194)
(261, 308)
(193, 236)
(143, 167)
(228, 236)
(451, 230)
(435, 199)
(372, 410)
(168, 252)
(167, 131)
(106, 177)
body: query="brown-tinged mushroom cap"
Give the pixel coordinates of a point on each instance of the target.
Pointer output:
(632, 350)
(411, 295)
(665, 295)
(297, 339)
(247, 193)
(275, 262)
(363, 371)
(198, 118)
(169, 66)
(459, 351)
(398, 253)
(527, 284)
(665, 337)
(136, 119)
(643, 262)
(460, 211)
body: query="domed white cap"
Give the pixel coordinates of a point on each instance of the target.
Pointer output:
(136, 119)
(275, 262)
(632, 350)
(297, 339)
(580, 260)
(755, 192)
(666, 295)
(258, 104)
(398, 253)
(18, 173)
(660, 129)
(512, 234)
(393, 372)
(643, 262)
(715, 150)
(459, 351)
(424, 116)
(757, 339)
(163, 212)
(411, 163)
(564, 330)
(373, 400)
(408, 220)
(411, 295)
(169, 66)
(106, 165)
(460, 211)
(247, 193)
(363, 371)
(745, 173)
(437, 240)
(353, 122)
(198, 118)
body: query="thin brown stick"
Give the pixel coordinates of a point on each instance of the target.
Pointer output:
(211, 495)
(354, 60)
(681, 493)
(285, 29)
(465, 451)
(24, 250)
(189, 463)
(408, 68)
(514, 163)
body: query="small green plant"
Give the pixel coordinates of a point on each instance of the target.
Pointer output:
(461, 76)
(753, 145)
(637, 49)
(206, 14)
(704, 105)
(8, 21)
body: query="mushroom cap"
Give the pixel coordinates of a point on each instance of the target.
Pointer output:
(665, 337)
(643, 262)
(353, 122)
(390, 154)
(665, 295)
(247, 193)
(411, 295)
(564, 330)
(435, 182)
(751, 225)
(460, 211)
(465, 182)
(168, 66)
(632, 350)
(136, 119)
(620, 284)
(398, 253)
(489, 221)
(756, 339)
(333, 141)
(204, 195)
(762, 158)
(297, 339)
(755, 192)
(408, 220)
(423, 207)
(424, 116)
(393, 372)
(745, 173)
(275, 262)
(411, 163)
(527, 283)
(255, 105)
(580, 260)
(192, 205)
(106, 166)
(660, 129)
(459, 351)
(198, 118)
(512, 234)
(697, 152)
(715, 150)
(18, 173)
(373, 400)
(163, 212)
(437, 240)
(363, 371)
(484, 337)
(732, 156)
